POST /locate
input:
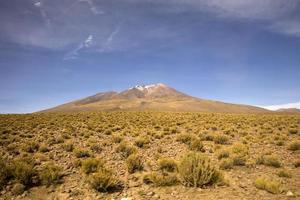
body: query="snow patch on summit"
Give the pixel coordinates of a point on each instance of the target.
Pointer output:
(146, 87)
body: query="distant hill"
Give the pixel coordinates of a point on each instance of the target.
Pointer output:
(289, 110)
(156, 97)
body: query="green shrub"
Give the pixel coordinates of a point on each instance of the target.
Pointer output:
(226, 163)
(294, 146)
(134, 163)
(43, 148)
(125, 149)
(81, 153)
(96, 148)
(239, 160)
(279, 143)
(104, 181)
(223, 154)
(196, 171)
(196, 145)
(284, 173)
(141, 141)
(23, 170)
(91, 165)
(293, 131)
(5, 173)
(167, 164)
(271, 186)
(221, 139)
(68, 146)
(108, 132)
(297, 163)
(185, 138)
(117, 138)
(159, 180)
(268, 160)
(30, 147)
(50, 174)
(208, 137)
(240, 149)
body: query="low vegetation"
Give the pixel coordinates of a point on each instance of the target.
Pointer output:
(196, 170)
(272, 186)
(111, 155)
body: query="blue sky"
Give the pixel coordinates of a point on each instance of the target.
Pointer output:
(239, 51)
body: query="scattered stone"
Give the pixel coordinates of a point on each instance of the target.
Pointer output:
(150, 193)
(127, 198)
(24, 194)
(289, 194)
(134, 184)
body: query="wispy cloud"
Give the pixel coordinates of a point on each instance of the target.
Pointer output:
(107, 44)
(94, 9)
(87, 43)
(276, 14)
(37, 4)
(44, 15)
(288, 105)
(289, 27)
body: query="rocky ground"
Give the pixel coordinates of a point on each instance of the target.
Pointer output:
(162, 135)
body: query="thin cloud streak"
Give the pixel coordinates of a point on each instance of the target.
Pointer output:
(84, 45)
(106, 47)
(93, 8)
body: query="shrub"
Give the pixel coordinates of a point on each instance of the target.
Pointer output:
(50, 174)
(5, 173)
(221, 139)
(271, 160)
(297, 163)
(196, 145)
(91, 165)
(240, 149)
(284, 173)
(81, 153)
(294, 146)
(141, 142)
(134, 163)
(104, 181)
(23, 171)
(167, 164)
(68, 146)
(30, 147)
(184, 138)
(271, 186)
(208, 137)
(280, 143)
(164, 179)
(43, 148)
(108, 132)
(239, 160)
(268, 160)
(117, 138)
(125, 149)
(223, 154)
(293, 131)
(196, 171)
(226, 164)
(96, 148)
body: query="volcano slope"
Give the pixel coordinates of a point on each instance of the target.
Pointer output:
(156, 97)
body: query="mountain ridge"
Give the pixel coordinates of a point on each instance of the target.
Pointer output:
(156, 97)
